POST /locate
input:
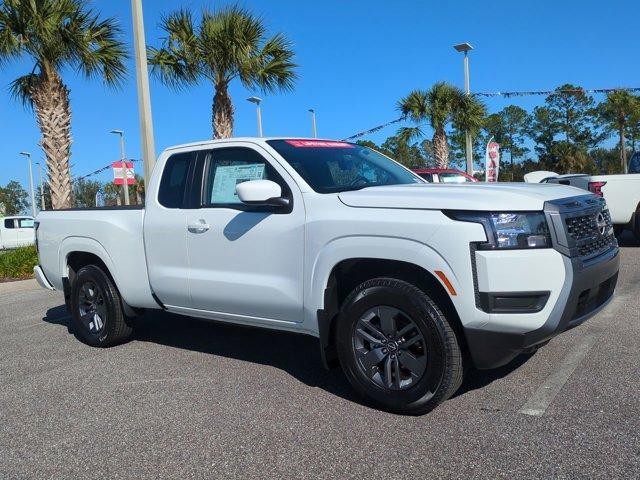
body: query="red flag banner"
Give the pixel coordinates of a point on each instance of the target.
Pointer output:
(492, 161)
(118, 174)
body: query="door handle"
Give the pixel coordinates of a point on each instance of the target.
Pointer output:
(198, 227)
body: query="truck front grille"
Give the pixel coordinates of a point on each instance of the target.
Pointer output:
(582, 226)
(591, 232)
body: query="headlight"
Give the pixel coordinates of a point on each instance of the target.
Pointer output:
(509, 230)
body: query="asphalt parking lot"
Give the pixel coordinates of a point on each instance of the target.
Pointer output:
(191, 399)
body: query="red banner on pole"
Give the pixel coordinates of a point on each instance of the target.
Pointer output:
(492, 161)
(117, 173)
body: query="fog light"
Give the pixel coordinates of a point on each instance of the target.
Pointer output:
(537, 241)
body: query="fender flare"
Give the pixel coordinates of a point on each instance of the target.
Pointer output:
(86, 245)
(321, 293)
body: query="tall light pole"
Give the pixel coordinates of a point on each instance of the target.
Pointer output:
(465, 48)
(144, 97)
(123, 157)
(313, 123)
(33, 195)
(257, 101)
(42, 205)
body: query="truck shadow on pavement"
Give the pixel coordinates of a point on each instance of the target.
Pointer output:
(296, 354)
(627, 239)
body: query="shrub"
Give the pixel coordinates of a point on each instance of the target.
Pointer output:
(18, 263)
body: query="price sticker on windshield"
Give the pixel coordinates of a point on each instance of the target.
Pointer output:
(318, 144)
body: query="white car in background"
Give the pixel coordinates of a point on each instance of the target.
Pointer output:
(621, 192)
(16, 232)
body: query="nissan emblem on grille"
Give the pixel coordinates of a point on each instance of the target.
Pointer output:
(590, 230)
(601, 223)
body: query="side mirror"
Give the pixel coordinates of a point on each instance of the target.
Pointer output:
(261, 192)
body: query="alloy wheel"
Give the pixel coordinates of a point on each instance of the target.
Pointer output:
(93, 310)
(389, 347)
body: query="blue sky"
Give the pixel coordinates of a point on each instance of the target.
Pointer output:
(357, 58)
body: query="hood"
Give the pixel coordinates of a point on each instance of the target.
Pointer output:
(465, 196)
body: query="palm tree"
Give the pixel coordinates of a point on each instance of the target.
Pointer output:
(617, 111)
(440, 106)
(227, 44)
(54, 35)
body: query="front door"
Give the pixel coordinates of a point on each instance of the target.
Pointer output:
(25, 233)
(246, 261)
(9, 233)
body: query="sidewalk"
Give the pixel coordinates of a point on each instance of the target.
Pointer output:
(18, 286)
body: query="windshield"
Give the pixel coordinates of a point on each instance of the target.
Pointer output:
(451, 177)
(330, 167)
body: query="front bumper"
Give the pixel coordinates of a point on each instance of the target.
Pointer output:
(589, 287)
(41, 278)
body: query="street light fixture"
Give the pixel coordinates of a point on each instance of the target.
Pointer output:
(123, 158)
(257, 101)
(33, 196)
(466, 48)
(313, 123)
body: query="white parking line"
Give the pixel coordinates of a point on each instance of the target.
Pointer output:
(542, 398)
(539, 402)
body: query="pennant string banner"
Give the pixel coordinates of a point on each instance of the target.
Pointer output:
(508, 95)
(108, 167)
(557, 92)
(374, 129)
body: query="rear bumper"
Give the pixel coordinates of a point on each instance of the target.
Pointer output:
(41, 278)
(589, 288)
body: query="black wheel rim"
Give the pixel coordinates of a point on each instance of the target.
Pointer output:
(390, 348)
(93, 311)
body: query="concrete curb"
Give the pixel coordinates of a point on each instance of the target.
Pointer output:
(18, 286)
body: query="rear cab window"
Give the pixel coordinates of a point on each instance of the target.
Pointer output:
(175, 177)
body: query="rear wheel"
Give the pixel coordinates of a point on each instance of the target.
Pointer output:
(97, 309)
(397, 348)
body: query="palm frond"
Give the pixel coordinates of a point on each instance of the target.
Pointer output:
(10, 38)
(59, 33)
(415, 105)
(443, 99)
(178, 62)
(409, 134)
(273, 68)
(98, 51)
(469, 113)
(20, 89)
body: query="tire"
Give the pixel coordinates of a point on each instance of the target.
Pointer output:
(618, 230)
(421, 365)
(96, 309)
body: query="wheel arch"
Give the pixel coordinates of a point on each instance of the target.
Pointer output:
(89, 252)
(349, 273)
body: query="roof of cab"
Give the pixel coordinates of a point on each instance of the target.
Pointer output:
(242, 139)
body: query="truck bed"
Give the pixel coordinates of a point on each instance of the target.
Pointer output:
(114, 234)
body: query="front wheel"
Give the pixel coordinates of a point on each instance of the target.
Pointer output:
(97, 309)
(397, 348)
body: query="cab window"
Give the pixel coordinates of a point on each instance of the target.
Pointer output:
(173, 184)
(228, 167)
(25, 222)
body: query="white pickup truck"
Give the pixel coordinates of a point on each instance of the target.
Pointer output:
(16, 231)
(621, 191)
(402, 281)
